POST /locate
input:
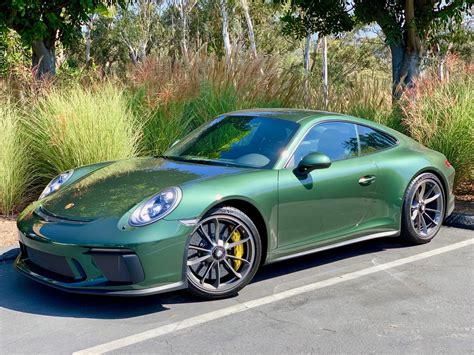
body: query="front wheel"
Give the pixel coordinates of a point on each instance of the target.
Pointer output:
(223, 254)
(423, 209)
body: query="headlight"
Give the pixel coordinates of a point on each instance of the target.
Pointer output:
(56, 183)
(155, 208)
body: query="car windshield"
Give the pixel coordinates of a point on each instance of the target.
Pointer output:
(247, 141)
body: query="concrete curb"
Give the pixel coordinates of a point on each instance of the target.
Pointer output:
(460, 220)
(9, 253)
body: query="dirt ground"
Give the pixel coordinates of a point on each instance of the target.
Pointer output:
(8, 234)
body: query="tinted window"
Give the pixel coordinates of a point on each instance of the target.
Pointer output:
(372, 140)
(338, 140)
(237, 140)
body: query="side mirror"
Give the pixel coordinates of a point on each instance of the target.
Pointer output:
(313, 161)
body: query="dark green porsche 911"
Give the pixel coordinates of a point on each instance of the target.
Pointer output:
(249, 188)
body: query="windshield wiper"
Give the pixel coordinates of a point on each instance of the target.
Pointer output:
(171, 157)
(202, 161)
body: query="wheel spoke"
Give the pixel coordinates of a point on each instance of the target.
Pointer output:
(217, 230)
(232, 245)
(207, 271)
(195, 247)
(423, 222)
(198, 260)
(201, 229)
(432, 220)
(239, 259)
(433, 198)
(232, 232)
(218, 274)
(430, 191)
(421, 195)
(238, 275)
(432, 210)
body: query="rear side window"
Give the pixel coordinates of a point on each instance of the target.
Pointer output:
(372, 141)
(338, 140)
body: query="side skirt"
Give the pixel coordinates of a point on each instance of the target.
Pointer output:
(336, 245)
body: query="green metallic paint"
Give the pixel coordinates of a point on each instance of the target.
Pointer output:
(301, 213)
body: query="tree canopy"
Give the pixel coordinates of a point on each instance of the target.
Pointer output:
(40, 23)
(407, 25)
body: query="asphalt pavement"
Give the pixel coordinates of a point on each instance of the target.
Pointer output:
(377, 297)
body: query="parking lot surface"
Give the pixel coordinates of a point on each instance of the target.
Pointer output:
(378, 296)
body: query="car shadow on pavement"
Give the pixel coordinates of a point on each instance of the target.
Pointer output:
(286, 267)
(20, 294)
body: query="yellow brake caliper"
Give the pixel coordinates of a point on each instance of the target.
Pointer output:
(238, 249)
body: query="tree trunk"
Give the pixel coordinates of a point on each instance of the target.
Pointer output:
(184, 39)
(248, 19)
(225, 32)
(325, 72)
(315, 53)
(43, 60)
(405, 68)
(406, 55)
(88, 42)
(307, 51)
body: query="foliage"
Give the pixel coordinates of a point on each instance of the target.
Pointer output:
(406, 25)
(40, 19)
(351, 55)
(16, 171)
(12, 52)
(440, 115)
(78, 126)
(321, 16)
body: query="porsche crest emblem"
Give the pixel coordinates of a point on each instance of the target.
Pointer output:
(69, 206)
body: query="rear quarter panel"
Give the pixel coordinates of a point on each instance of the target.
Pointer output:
(398, 166)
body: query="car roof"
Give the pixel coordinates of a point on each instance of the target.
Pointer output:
(305, 117)
(295, 115)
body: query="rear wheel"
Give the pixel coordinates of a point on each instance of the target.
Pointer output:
(423, 209)
(223, 254)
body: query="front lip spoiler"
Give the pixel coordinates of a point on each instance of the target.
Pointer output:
(180, 285)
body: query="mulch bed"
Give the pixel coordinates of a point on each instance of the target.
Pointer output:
(8, 233)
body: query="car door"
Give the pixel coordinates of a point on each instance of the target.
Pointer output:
(330, 203)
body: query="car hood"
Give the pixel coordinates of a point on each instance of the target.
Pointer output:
(114, 189)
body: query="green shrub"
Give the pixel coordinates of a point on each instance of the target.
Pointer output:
(440, 115)
(168, 121)
(15, 165)
(78, 126)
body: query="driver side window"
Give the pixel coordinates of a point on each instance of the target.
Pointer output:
(338, 140)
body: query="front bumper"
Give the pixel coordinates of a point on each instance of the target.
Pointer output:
(99, 258)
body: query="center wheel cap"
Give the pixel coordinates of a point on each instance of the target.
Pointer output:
(218, 253)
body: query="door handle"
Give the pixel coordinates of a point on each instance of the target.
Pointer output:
(367, 180)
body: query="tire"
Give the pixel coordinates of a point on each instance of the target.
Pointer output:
(220, 267)
(423, 209)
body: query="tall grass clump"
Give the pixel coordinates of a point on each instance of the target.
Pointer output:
(16, 172)
(79, 126)
(172, 99)
(440, 115)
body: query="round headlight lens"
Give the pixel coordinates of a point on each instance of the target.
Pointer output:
(56, 183)
(156, 207)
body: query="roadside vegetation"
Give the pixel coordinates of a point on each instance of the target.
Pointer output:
(16, 167)
(130, 79)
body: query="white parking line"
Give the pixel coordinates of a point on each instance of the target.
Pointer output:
(207, 317)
